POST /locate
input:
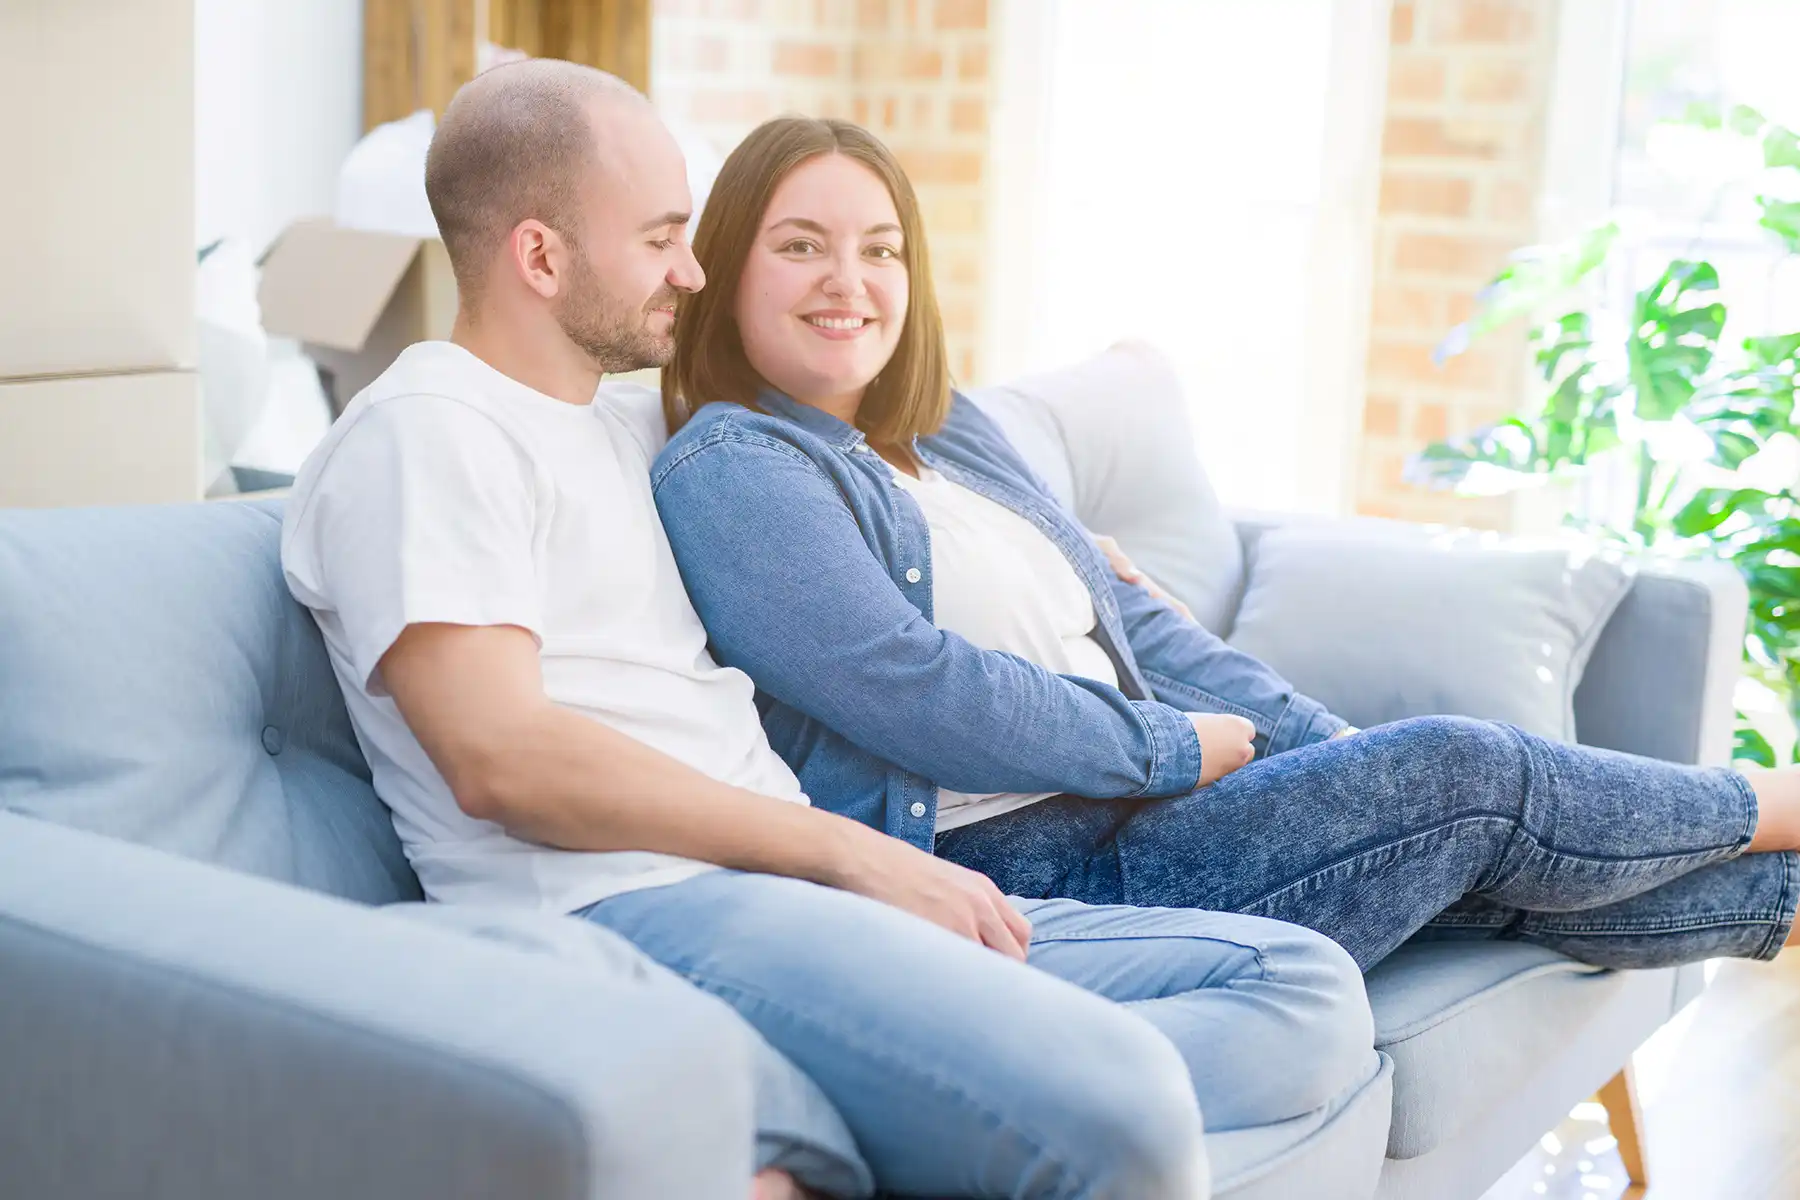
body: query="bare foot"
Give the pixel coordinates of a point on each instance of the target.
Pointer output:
(776, 1185)
(1777, 809)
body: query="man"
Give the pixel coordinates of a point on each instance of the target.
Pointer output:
(478, 542)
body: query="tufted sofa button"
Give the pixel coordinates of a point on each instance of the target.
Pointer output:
(271, 739)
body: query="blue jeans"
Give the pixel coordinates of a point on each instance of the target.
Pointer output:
(1440, 827)
(962, 1072)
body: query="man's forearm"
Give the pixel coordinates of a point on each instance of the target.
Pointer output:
(567, 781)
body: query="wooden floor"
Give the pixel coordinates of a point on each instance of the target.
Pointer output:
(1720, 1088)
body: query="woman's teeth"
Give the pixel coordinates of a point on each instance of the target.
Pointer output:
(837, 322)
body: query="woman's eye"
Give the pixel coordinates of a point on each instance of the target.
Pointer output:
(663, 243)
(800, 246)
(883, 252)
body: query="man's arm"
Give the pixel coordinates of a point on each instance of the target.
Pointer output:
(474, 697)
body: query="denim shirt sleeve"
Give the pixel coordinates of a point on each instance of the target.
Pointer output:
(792, 594)
(1191, 668)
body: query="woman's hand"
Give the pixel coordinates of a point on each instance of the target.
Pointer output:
(955, 898)
(1225, 744)
(1125, 569)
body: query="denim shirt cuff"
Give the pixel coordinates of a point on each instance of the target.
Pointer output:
(1175, 767)
(1304, 722)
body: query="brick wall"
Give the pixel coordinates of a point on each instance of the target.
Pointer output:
(914, 71)
(1462, 154)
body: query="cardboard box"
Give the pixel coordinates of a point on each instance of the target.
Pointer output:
(101, 439)
(97, 191)
(355, 299)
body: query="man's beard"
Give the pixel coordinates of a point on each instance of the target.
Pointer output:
(609, 331)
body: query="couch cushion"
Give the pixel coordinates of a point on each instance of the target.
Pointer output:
(158, 683)
(1469, 1025)
(1112, 438)
(1384, 623)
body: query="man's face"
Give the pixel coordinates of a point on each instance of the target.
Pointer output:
(631, 257)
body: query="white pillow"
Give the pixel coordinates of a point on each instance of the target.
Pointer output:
(1381, 625)
(1112, 439)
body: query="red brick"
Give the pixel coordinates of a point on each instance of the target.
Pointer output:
(942, 166)
(1431, 423)
(968, 115)
(921, 63)
(966, 366)
(1426, 137)
(962, 14)
(923, 115)
(1509, 200)
(1458, 307)
(1381, 417)
(816, 60)
(960, 270)
(1493, 81)
(711, 53)
(729, 105)
(859, 110)
(1416, 77)
(1426, 195)
(1482, 22)
(890, 113)
(1411, 362)
(873, 14)
(1407, 309)
(972, 63)
(1464, 256)
(1400, 25)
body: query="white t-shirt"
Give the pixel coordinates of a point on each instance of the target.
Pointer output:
(997, 581)
(448, 492)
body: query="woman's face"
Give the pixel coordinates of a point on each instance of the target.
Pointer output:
(823, 294)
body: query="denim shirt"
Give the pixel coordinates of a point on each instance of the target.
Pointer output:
(811, 569)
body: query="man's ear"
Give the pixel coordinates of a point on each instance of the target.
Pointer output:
(539, 257)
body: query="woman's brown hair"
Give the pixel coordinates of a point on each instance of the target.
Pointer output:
(911, 395)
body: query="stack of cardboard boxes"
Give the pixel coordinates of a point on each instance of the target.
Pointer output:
(99, 401)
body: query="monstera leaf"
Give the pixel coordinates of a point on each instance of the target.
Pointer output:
(1674, 338)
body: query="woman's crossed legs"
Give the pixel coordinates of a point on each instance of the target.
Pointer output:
(1457, 827)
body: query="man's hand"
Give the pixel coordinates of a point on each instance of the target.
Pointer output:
(955, 898)
(1225, 744)
(1125, 569)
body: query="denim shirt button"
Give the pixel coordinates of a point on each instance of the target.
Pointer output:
(913, 575)
(918, 808)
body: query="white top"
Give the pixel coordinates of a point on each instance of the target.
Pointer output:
(448, 492)
(997, 581)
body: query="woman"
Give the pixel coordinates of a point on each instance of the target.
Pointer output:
(943, 653)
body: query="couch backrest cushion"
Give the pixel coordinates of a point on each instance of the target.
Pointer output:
(158, 683)
(1112, 437)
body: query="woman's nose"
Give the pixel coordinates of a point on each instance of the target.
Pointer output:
(844, 278)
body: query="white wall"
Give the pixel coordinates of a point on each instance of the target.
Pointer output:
(277, 105)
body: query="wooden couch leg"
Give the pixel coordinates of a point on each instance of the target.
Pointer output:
(1619, 1098)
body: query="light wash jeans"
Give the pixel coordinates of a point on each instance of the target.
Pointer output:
(1435, 827)
(964, 1073)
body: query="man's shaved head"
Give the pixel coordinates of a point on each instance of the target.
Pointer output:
(516, 142)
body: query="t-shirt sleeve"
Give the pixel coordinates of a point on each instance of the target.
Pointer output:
(424, 513)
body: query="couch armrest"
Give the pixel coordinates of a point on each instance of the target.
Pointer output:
(173, 1029)
(1661, 677)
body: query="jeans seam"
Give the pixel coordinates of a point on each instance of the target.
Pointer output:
(1783, 923)
(744, 993)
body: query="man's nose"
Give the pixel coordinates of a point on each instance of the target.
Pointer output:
(686, 273)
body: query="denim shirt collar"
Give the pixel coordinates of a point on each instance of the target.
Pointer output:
(816, 421)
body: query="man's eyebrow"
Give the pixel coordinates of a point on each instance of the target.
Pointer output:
(815, 227)
(668, 218)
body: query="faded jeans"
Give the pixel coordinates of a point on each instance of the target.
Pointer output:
(1439, 827)
(962, 1072)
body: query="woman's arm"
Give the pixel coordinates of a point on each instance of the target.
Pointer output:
(792, 594)
(1189, 667)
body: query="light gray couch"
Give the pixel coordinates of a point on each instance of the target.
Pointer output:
(197, 1000)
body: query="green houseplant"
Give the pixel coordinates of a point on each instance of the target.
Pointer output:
(1651, 396)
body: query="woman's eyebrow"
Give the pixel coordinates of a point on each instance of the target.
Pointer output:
(814, 227)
